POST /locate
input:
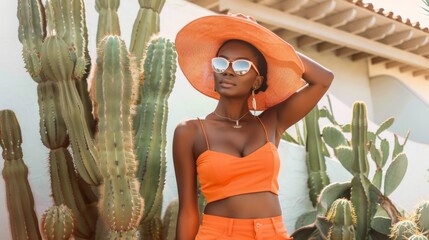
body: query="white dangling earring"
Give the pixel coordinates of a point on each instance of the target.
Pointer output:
(253, 101)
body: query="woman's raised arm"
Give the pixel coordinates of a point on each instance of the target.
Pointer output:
(294, 108)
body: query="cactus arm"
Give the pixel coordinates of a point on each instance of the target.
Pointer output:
(159, 78)
(57, 67)
(65, 190)
(316, 165)
(359, 139)
(31, 33)
(57, 223)
(20, 202)
(114, 91)
(53, 130)
(67, 20)
(145, 25)
(108, 20)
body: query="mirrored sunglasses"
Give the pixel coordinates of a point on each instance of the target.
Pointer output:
(239, 66)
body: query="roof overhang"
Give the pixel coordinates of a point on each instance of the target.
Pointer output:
(349, 28)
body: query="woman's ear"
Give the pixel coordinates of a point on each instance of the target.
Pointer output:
(258, 82)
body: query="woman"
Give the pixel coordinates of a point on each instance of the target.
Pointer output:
(232, 151)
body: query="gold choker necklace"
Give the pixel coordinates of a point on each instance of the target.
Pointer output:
(237, 121)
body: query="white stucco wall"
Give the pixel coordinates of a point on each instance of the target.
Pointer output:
(18, 92)
(392, 97)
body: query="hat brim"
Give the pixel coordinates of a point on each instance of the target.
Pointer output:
(199, 41)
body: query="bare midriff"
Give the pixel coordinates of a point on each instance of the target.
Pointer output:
(249, 205)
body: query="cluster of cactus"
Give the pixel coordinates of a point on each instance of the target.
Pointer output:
(117, 169)
(415, 227)
(373, 210)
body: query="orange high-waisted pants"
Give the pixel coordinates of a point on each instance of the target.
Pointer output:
(215, 227)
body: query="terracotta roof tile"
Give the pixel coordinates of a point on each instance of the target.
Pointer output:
(389, 14)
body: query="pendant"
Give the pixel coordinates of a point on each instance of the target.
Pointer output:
(237, 124)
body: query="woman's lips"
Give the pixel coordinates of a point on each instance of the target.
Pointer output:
(226, 84)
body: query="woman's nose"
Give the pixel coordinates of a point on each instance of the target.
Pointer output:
(229, 71)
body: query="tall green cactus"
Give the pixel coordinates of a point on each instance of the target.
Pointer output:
(316, 164)
(159, 69)
(20, 202)
(114, 92)
(57, 223)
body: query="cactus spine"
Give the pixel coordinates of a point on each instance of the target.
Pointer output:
(114, 92)
(159, 70)
(57, 223)
(20, 202)
(316, 165)
(342, 215)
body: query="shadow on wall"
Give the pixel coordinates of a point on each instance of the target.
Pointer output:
(393, 98)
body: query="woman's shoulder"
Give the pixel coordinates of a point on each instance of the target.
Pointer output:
(187, 128)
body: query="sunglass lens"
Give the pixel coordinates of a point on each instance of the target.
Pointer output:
(241, 67)
(219, 65)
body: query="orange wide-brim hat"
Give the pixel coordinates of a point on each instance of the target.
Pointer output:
(199, 41)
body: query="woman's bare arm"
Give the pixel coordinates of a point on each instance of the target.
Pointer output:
(299, 104)
(186, 178)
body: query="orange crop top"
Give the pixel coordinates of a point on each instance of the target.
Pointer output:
(222, 175)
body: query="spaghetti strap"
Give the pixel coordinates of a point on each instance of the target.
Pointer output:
(204, 132)
(265, 130)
